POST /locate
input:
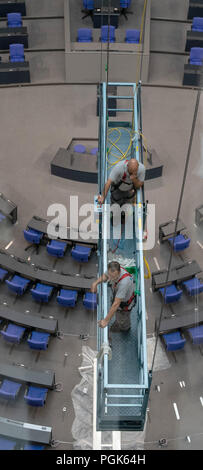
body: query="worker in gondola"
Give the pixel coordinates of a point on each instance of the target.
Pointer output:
(122, 284)
(125, 178)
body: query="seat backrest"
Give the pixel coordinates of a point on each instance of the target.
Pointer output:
(125, 3)
(16, 52)
(14, 19)
(84, 34)
(88, 4)
(196, 53)
(197, 24)
(132, 35)
(107, 31)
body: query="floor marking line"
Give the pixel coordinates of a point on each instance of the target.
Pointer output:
(181, 384)
(176, 411)
(9, 244)
(201, 399)
(201, 246)
(157, 264)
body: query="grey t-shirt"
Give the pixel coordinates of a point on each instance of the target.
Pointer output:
(123, 289)
(120, 173)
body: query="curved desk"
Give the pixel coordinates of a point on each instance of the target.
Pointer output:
(37, 273)
(28, 376)
(25, 431)
(49, 325)
(37, 223)
(177, 274)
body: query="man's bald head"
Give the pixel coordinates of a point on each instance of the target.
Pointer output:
(133, 167)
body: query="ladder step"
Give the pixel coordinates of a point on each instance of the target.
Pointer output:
(121, 97)
(121, 110)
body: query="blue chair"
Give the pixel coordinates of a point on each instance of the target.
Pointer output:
(67, 298)
(17, 53)
(132, 36)
(180, 242)
(9, 390)
(6, 444)
(84, 35)
(172, 294)
(79, 148)
(3, 274)
(33, 447)
(57, 248)
(38, 340)
(107, 33)
(174, 341)
(41, 292)
(90, 300)
(94, 151)
(2, 217)
(14, 20)
(18, 284)
(196, 56)
(34, 237)
(81, 253)
(197, 24)
(125, 3)
(13, 333)
(193, 286)
(196, 334)
(36, 396)
(88, 6)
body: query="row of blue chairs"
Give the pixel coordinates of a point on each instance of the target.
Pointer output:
(80, 148)
(192, 286)
(34, 396)
(15, 334)
(58, 248)
(85, 35)
(8, 444)
(176, 340)
(43, 292)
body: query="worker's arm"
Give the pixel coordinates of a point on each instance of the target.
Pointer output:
(101, 198)
(103, 278)
(114, 307)
(137, 183)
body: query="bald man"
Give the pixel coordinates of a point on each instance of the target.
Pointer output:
(126, 177)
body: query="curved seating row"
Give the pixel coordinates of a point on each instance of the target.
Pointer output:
(132, 36)
(43, 293)
(176, 340)
(41, 225)
(34, 396)
(172, 293)
(43, 274)
(57, 248)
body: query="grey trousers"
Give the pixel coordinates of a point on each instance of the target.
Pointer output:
(123, 319)
(122, 197)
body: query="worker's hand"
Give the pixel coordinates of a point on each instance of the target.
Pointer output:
(100, 199)
(94, 287)
(103, 323)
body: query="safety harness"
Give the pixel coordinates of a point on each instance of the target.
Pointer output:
(125, 305)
